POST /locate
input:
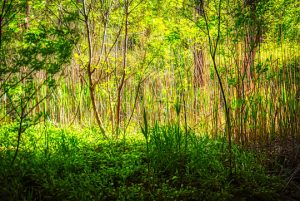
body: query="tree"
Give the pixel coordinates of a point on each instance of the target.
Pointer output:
(89, 67)
(31, 58)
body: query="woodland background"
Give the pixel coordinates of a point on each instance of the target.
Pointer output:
(173, 70)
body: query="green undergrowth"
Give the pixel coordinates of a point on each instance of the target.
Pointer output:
(75, 164)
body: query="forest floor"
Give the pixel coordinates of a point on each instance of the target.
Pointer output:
(71, 164)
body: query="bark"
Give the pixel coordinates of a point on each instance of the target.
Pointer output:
(122, 82)
(20, 131)
(89, 71)
(252, 39)
(27, 14)
(198, 50)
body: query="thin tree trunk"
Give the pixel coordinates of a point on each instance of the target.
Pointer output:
(20, 131)
(89, 72)
(252, 39)
(27, 14)
(118, 109)
(213, 46)
(198, 50)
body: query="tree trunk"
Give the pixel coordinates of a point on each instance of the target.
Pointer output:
(90, 73)
(120, 87)
(27, 14)
(252, 39)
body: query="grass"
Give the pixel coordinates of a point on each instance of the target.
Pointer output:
(73, 164)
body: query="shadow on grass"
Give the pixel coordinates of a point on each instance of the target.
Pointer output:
(71, 169)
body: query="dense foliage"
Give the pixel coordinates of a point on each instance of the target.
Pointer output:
(68, 165)
(167, 100)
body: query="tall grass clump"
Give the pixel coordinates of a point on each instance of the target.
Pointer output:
(205, 166)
